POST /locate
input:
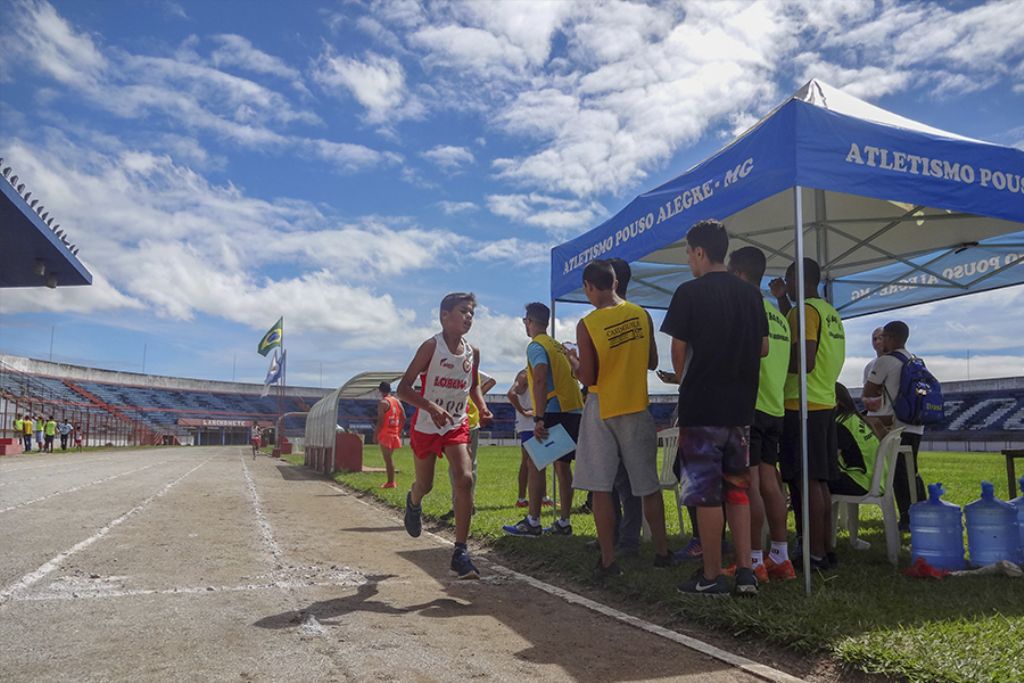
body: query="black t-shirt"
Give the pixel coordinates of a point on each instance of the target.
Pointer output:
(722, 320)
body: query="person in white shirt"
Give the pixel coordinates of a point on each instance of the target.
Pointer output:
(883, 383)
(879, 347)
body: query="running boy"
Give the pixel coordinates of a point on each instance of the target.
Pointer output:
(447, 367)
(390, 420)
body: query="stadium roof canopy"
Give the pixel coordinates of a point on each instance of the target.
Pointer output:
(32, 255)
(896, 212)
(365, 384)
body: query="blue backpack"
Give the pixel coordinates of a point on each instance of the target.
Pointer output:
(919, 399)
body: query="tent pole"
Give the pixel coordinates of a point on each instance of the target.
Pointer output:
(554, 474)
(798, 226)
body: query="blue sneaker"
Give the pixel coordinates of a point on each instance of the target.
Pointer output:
(692, 551)
(413, 519)
(463, 566)
(523, 528)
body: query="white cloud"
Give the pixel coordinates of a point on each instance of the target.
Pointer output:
(237, 51)
(378, 84)
(185, 89)
(453, 208)
(449, 158)
(554, 214)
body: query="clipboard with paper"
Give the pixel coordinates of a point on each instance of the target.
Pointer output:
(545, 452)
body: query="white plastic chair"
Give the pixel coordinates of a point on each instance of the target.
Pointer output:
(880, 494)
(670, 441)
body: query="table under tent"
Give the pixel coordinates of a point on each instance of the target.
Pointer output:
(895, 212)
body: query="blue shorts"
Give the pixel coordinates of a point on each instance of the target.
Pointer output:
(525, 436)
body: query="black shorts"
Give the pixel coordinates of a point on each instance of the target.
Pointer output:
(571, 422)
(765, 436)
(822, 450)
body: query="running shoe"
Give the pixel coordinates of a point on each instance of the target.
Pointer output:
(413, 519)
(463, 566)
(698, 585)
(522, 503)
(547, 502)
(602, 572)
(781, 571)
(692, 551)
(388, 485)
(761, 572)
(559, 529)
(746, 582)
(523, 528)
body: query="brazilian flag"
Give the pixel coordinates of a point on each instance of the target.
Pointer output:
(274, 338)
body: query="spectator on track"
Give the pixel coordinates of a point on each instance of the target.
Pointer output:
(719, 334)
(556, 400)
(440, 427)
(884, 383)
(37, 428)
(26, 432)
(64, 428)
(616, 349)
(390, 420)
(79, 436)
(825, 348)
(767, 501)
(49, 431)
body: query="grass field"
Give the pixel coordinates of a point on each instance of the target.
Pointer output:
(866, 614)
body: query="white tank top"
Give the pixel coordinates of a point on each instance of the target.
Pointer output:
(524, 423)
(446, 383)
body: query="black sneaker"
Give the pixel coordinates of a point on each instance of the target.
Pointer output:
(523, 528)
(833, 560)
(664, 561)
(746, 582)
(602, 572)
(413, 520)
(821, 564)
(448, 516)
(463, 566)
(559, 529)
(698, 585)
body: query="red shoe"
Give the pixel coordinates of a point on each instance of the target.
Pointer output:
(522, 503)
(760, 572)
(780, 572)
(547, 502)
(388, 485)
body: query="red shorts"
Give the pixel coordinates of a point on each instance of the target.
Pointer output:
(426, 445)
(392, 441)
(255, 441)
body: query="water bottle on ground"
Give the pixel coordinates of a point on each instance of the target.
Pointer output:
(1018, 503)
(937, 531)
(992, 533)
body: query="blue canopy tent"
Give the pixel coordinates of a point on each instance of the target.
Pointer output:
(895, 212)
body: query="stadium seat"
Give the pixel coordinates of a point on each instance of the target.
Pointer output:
(880, 494)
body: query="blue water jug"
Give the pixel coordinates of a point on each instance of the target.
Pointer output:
(1018, 503)
(937, 531)
(992, 533)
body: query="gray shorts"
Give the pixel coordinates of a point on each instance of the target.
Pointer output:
(630, 439)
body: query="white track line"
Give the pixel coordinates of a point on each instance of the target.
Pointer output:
(79, 487)
(261, 519)
(86, 594)
(751, 667)
(47, 567)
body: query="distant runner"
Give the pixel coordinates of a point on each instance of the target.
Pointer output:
(254, 438)
(390, 420)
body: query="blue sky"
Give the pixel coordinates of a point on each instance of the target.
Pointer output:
(345, 164)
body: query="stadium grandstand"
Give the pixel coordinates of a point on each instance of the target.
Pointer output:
(126, 408)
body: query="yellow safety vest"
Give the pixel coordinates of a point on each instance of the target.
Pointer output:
(828, 361)
(622, 338)
(567, 388)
